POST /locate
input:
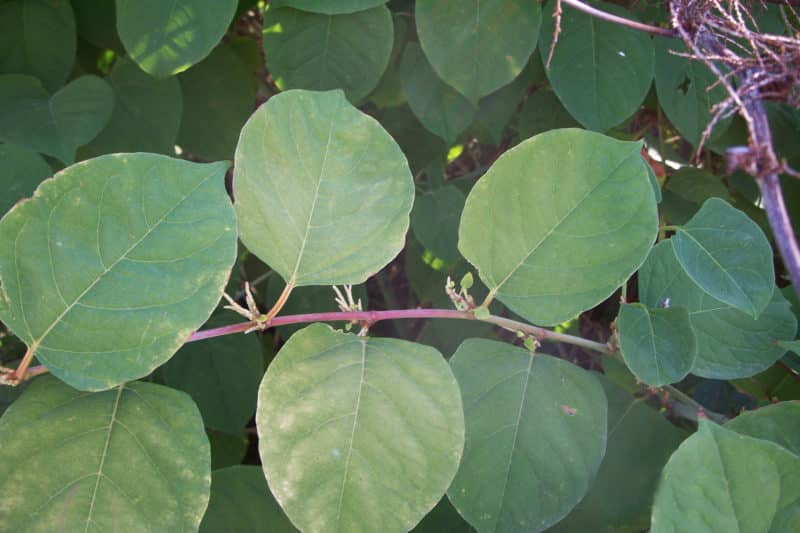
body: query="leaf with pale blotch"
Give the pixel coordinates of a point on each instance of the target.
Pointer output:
(600, 70)
(114, 263)
(528, 237)
(129, 459)
(323, 193)
(23, 170)
(719, 480)
(730, 343)
(241, 501)
(492, 40)
(322, 52)
(779, 423)
(658, 345)
(54, 125)
(165, 38)
(358, 433)
(727, 255)
(37, 37)
(536, 434)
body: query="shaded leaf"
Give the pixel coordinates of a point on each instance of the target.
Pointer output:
(323, 193)
(542, 112)
(226, 449)
(686, 190)
(165, 38)
(97, 23)
(517, 406)
(730, 343)
(327, 7)
(123, 459)
(600, 70)
(435, 219)
(23, 170)
(658, 345)
(357, 433)
(496, 109)
(778, 423)
(477, 47)
(322, 52)
(727, 255)
(529, 239)
(419, 145)
(443, 519)
(37, 37)
(54, 125)
(747, 485)
(114, 262)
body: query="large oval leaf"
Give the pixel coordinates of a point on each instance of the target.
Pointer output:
(730, 343)
(127, 459)
(241, 501)
(727, 255)
(23, 170)
(477, 47)
(779, 423)
(600, 70)
(358, 434)
(559, 222)
(439, 107)
(536, 434)
(146, 116)
(323, 193)
(114, 262)
(328, 7)
(747, 485)
(165, 38)
(322, 52)
(37, 37)
(54, 125)
(658, 345)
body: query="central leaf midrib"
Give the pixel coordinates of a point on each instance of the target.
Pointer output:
(103, 455)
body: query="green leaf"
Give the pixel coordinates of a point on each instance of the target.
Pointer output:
(389, 91)
(323, 193)
(114, 262)
(218, 97)
(226, 449)
(747, 485)
(778, 423)
(730, 343)
(600, 70)
(496, 109)
(658, 345)
(221, 375)
(443, 519)
(435, 221)
(727, 255)
(97, 23)
(542, 112)
(127, 459)
(23, 170)
(358, 433)
(323, 52)
(241, 501)
(686, 190)
(165, 38)
(687, 90)
(547, 252)
(54, 125)
(147, 114)
(419, 145)
(793, 346)
(536, 433)
(654, 183)
(477, 47)
(439, 107)
(37, 37)
(640, 441)
(327, 7)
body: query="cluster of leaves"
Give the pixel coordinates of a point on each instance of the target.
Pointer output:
(436, 116)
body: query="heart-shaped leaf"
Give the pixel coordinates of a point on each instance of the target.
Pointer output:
(746, 485)
(54, 125)
(323, 52)
(165, 38)
(487, 58)
(600, 70)
(536, 433)
(730, 343)
(530, 240)
(357, 433)
(323, 193)
(114, 262)
(23, 170)
(658, 345)
(727, 255)
(127, 459)
(37, 37)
